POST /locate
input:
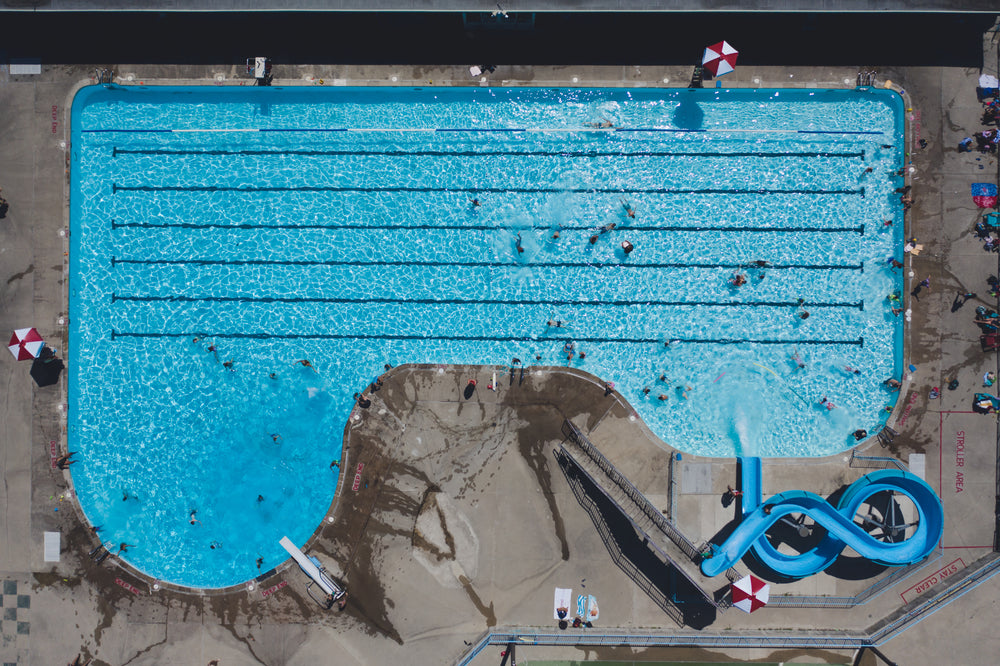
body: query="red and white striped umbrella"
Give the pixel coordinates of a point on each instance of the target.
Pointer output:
(750, 593)
(25, 344)
(719, 58)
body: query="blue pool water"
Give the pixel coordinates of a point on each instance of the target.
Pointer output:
(334, 225)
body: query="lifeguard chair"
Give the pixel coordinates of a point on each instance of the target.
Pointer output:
(260, 68)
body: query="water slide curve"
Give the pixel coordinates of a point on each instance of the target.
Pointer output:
(838, 520)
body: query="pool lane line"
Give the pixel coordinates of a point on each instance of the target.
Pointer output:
(479, 338)
(465, 264)
(860, 229)
(747, 130)
(479, 130)
(472, 301)
(471, 153)
(115, 188)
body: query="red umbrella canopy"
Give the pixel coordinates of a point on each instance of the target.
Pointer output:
(750, 593)
(720, 58)
(25, 344)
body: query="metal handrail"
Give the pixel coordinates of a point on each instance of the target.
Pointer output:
(639, 638)
(955, 590)
(876, 462)
(812, 601)
(625, 564)
(573, 434)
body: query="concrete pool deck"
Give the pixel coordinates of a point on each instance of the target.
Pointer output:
(462, 519)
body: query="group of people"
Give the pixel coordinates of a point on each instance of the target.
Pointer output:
(985, 141)
(562, 612)
(985, 228)
(991, 110)
(739, 277)
(627, 247)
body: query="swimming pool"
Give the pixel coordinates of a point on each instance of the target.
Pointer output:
(337, 225)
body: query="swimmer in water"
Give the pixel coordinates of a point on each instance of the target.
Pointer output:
(603, 123)
(629, 210)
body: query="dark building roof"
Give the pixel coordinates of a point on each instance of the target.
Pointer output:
(412, 34)
(987, 6)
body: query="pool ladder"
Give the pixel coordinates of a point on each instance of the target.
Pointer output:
(697, 77)
(104, 76)
(866, 78)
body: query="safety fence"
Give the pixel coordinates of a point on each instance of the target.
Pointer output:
(876, 462)
(970, 579)
(845, 640)
(811, 601)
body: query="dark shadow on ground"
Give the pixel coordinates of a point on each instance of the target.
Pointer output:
(662, 581)
(46, 371)
(440, 38)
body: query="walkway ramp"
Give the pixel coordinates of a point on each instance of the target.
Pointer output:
(657, 531)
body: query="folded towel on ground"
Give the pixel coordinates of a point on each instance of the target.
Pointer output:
(563, 598)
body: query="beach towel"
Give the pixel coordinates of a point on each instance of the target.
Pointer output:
(563, 598)
(586, 608)
(984, 195)
(984, 403)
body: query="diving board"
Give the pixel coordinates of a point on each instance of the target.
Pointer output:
(312, 568)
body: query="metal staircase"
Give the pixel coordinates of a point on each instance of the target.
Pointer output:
(656, 529)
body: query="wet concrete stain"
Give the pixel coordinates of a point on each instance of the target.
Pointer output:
(107, 612)
(531, 446)
(149, 648)
(245, 640)
(487, 612)
(17, 276)
(368, 598)
(359, 530)
(430, 503)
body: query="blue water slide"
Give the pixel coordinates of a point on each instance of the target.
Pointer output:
(838, 521)
(750, 475)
